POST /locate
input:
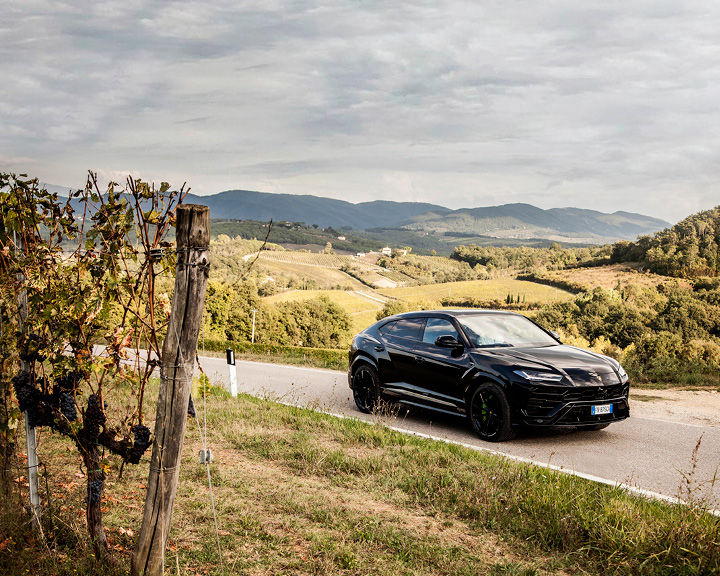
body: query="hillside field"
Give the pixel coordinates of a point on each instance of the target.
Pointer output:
(608, 277)
(494, 289)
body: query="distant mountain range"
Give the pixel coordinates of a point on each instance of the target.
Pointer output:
(510, 221)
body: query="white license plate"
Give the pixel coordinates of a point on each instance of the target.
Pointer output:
(601, 409)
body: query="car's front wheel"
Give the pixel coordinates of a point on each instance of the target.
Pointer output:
(366, 388)
(489, 413)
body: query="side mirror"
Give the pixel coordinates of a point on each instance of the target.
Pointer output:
(554, 334)
(447, 341)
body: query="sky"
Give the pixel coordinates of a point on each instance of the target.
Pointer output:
(608, 105)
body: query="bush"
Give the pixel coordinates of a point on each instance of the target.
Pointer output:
(391, 308)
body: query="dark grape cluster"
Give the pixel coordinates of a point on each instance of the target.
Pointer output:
(94, 419)
(67, 406)
(191, 408)
(32, 400)
(69, 382)
(140, 445)
(26, 393)
(64, 394)
(94, 491)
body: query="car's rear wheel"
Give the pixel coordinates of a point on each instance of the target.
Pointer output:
(366, 388)
(489, 413)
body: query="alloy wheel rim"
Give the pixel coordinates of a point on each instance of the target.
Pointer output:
(364, 384)
(486, 413)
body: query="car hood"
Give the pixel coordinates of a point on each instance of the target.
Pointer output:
(561, 358)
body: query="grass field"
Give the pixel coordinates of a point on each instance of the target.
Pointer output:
(324, 278)
(495, 289)
(608, 277)
(299, 492)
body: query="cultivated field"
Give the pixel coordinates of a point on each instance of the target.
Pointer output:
(608, 277)
(495, 289)
(365, 268)
(318, 276)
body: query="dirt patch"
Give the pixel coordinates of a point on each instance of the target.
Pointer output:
(700, 407)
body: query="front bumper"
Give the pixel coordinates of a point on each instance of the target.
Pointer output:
(539, 405)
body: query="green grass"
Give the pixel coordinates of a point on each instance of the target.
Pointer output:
(299, 492)
(329, 358)
(495, 289)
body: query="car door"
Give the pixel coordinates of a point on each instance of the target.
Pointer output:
(401, 340)
(440, 372)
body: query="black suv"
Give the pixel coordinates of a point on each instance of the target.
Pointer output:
(499, 369)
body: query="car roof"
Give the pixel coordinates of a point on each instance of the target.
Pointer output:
(447, 312)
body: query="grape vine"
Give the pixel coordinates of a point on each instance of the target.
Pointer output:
(92, 268)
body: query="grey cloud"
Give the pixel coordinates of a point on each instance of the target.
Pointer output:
(609, 107)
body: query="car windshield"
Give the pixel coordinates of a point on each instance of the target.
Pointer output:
(494, 330)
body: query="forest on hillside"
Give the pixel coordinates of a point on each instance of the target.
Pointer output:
(689, 249)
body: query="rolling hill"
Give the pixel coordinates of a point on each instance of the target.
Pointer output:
(518, 221)
(528, 221)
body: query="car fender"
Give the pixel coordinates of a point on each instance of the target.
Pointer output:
(474, 379)
(363, 357)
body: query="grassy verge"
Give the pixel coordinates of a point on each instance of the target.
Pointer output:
(329, 358)
(299, 492)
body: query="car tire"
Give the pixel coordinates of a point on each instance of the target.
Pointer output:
(366, 388)
(489, 413)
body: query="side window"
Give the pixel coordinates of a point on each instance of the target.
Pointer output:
(386, 329)
(409, 328)
(436, 327)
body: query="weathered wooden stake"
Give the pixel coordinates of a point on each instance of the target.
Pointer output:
(176, 371)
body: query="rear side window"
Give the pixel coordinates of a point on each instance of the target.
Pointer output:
(436, 327)
(409, 328)
(386, 329)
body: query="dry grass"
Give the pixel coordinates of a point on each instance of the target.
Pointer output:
(298, 492)
(495, 289)
(324, 278)
(608, 277)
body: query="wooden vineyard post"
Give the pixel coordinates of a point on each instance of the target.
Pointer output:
(176, 371)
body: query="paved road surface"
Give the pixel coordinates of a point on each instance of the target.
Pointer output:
(649, 454)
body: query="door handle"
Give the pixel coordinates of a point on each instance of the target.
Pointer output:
(419, 359)
(379, 348)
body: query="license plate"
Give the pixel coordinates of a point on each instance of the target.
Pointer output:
(601, 409)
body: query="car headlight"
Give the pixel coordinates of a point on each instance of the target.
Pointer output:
(536, 376)
(621, 372)
(623, 375)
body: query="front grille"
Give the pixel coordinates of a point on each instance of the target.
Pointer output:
(545, 400)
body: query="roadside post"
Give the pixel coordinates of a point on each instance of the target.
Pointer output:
(252, 338)
(30, 436)
(232, 371)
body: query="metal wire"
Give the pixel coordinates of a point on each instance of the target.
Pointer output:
(207, 464)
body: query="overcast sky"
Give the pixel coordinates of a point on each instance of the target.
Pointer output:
(610, 106)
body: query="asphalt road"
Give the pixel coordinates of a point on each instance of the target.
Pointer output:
(644, 454)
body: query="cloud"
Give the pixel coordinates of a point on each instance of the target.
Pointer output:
(607, 107)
